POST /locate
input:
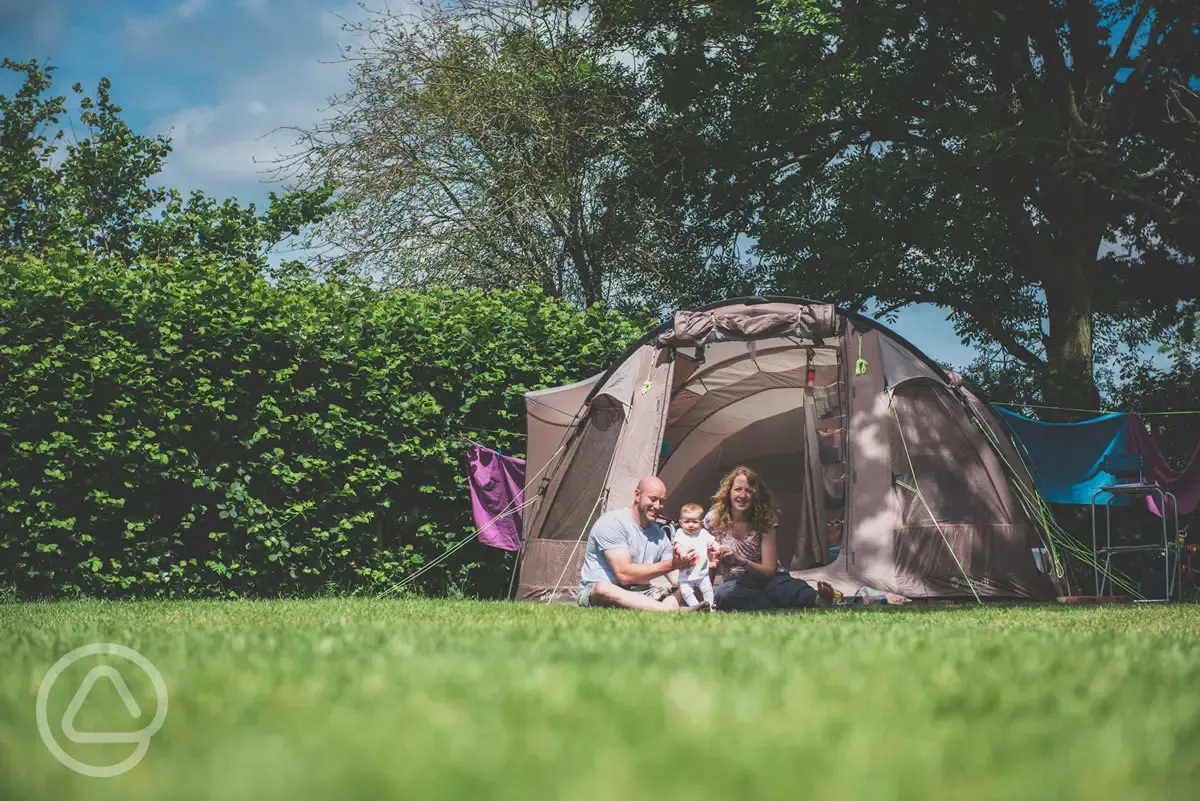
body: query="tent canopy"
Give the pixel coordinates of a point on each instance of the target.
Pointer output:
(898, 451)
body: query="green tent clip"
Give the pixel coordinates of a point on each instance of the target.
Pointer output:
(860, 366)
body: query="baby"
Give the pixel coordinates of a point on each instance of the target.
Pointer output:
(692, 536)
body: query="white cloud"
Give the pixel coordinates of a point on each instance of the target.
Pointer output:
(276, 74)
(190, 8)
(27, 25)
(141, 32)
(228, 148)
(148, 34)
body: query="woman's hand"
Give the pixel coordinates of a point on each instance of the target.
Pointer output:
(731, 555)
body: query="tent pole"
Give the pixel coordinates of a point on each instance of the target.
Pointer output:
(516, 566)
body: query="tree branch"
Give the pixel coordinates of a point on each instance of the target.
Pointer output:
(1121, 56)
(1029, 243)
(1058, 74)
(1087, 54)
(1011, 344)
(1148, 174)
(1003, 337)
(1161, 213)
(1145, 58)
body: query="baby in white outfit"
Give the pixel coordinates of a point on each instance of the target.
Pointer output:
(693, 536)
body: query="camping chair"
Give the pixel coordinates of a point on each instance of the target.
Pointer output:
(1129, 470)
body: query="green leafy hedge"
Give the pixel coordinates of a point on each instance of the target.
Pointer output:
(192, 429)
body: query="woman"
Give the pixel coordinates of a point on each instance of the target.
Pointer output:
(743, 521)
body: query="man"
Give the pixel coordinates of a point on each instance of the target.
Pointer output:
(626, 550)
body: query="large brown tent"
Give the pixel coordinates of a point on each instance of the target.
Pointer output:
(842, 418)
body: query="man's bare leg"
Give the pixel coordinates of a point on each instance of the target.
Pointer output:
(608, 594)
(675, 602)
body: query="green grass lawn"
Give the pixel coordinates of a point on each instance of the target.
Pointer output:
(436, 699)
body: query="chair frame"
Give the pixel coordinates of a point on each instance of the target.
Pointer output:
(1113, 464)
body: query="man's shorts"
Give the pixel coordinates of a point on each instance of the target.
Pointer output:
(651, 591)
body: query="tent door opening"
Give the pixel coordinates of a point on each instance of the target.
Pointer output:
(776, 406)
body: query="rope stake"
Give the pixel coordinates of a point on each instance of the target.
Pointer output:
(457, 546)
(1055, 533)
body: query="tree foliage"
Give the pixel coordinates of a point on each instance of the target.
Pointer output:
(492, 144)
(173, 423)
(1032, 168)
(189, 428)
(91, 187)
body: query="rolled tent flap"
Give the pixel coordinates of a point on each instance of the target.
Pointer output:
(814, 321)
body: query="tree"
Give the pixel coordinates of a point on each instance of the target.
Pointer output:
(1031, 168)
(97, 195)
(491, 144)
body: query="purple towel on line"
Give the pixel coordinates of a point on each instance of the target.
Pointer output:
(1185, 484)
(497, 490)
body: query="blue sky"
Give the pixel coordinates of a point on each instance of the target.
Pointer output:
(220, 76)
(224, 77)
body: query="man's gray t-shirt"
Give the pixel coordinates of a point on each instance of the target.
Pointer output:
(619, 529)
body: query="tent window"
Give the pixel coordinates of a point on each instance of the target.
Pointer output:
(574, 505)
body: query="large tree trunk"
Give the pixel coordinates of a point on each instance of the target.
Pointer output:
(1072, 208)
(1070, 382)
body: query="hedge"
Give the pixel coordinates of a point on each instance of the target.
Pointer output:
(193, 429)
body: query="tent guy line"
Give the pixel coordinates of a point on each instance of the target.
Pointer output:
(1092, 411)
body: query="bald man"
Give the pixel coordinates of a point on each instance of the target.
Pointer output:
(627, 549)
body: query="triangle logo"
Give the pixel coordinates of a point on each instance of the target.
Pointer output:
(68, 721)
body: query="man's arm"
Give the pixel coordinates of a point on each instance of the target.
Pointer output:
(673, 579)
(628, 572)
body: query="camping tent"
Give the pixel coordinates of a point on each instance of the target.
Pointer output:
(842, 418)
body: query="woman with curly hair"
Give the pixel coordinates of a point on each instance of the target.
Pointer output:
(743, 521)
